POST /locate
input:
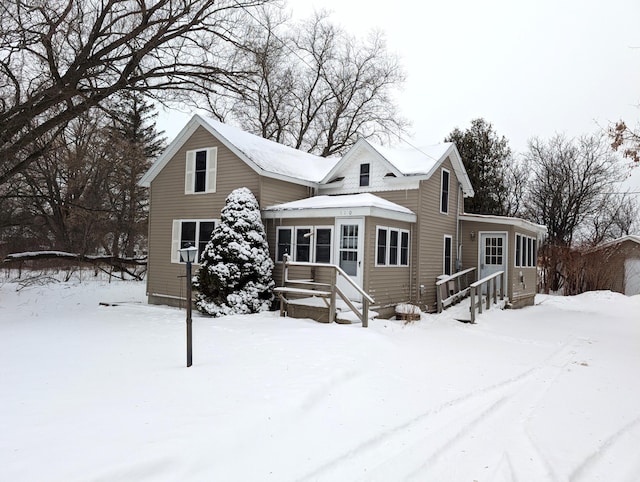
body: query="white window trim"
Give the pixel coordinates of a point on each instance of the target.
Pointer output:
(444, 252)
(442, 171)
(176, 232)
(388, 230)
(523, 262)
(291, 229)
(211, 169)
(312, 241)
(368, 175)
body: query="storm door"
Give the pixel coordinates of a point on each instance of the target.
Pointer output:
(349, 246)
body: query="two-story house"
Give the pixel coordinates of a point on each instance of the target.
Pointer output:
(391, 218)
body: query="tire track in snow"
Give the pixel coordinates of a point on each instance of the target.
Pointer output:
(554, 362)
(590, 462)
(383, 437)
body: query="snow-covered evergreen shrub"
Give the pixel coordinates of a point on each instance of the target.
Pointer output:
(235, 268)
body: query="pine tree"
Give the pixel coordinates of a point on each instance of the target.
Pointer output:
(235, 269)
(485, 156)
(132, 144)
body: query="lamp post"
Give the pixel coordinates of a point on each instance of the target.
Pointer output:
(188, 255)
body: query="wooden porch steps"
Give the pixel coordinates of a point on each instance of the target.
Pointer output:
(349, 317)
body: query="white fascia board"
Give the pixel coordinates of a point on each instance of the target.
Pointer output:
(519, 222)
(170, 151)
(459, 169)
(195, 122)
(360, 144)
(364, 211)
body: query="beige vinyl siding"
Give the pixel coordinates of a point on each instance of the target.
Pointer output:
(275, 191)
(525, 285)
(432, 227)
(405, 197)
(169, 202)
(518, 288)
(388, 285)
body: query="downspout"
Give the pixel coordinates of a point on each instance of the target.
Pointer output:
(411, 239)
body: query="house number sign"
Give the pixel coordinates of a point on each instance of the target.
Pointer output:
(345, 212)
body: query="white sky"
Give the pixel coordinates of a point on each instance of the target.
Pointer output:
(531, 69)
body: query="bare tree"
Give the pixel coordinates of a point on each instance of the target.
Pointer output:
(60, 58)
(318, 89)
(63, 192)
(570, 182)
(516, 180)
(570, 179)
(617, 216)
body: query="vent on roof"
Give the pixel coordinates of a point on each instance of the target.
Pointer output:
(336, 179)
(389, 174)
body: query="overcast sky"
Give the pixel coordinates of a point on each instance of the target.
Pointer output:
(529, 68)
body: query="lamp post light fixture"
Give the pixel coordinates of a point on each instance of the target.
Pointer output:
(188, 255)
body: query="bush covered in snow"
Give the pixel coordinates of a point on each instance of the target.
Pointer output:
(235, 269)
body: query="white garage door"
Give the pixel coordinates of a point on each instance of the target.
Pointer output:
(632, 277)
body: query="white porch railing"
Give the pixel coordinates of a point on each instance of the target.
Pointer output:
(327, 291)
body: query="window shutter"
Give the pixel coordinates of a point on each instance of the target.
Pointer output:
(189, 174)
(212, 168)
(175, 241)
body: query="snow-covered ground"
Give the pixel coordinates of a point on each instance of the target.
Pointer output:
(101, 393)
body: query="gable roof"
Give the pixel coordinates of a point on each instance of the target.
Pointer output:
(365, 204)
(409, 161)
(267, 158)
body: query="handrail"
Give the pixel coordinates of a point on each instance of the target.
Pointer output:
(474, 286)
(454, 276)
(459, 292)
(334, 266)
(335, 271)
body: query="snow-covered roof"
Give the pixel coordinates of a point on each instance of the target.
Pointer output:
(629, 237)
(365, 204)
(409, 160)
(522, 223)
(266, 157)
(272, 156)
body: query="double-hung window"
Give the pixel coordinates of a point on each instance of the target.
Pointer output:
(364, 174)
(392, 247)
(192, 232)
(200, 171)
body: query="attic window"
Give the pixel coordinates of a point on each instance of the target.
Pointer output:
(364, 174)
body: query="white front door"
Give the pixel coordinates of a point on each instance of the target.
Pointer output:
(349, 254)
(493, 255)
